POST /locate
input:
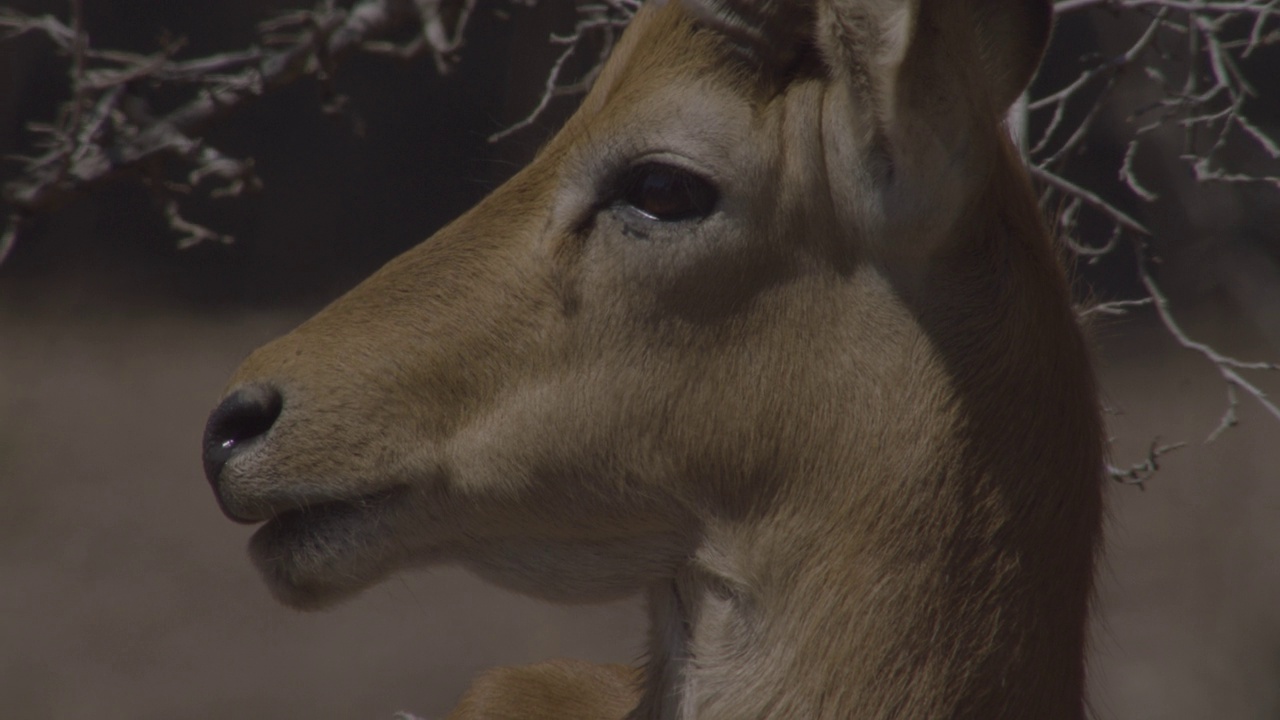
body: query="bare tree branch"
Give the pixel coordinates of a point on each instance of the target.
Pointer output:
(1207, 106)
(1114, 307)
(1140, 472)
(1227, 367)
(1120, 217)
(604, 21)
(105, 131)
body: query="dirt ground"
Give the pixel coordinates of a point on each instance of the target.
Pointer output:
(125, 594)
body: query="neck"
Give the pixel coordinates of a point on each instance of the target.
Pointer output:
(958, 625)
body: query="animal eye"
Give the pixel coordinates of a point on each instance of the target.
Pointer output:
(667, 193)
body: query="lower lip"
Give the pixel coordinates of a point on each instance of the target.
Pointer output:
(330, 515)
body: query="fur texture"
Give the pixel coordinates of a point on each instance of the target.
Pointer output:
(842, 430)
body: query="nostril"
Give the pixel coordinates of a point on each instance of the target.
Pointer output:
(244, 415)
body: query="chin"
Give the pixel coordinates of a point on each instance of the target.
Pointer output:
(312, 558)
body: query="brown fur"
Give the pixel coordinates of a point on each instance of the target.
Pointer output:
(843, 431)
(557, 689)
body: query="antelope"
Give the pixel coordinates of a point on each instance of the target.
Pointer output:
(771, 332)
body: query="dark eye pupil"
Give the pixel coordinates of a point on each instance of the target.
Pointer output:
(668, 193)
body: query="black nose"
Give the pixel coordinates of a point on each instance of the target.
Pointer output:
(244, 415)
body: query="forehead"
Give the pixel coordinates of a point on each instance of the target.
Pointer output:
(669, 85)
(663, 43)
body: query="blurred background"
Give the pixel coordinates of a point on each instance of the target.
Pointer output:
(124, 593)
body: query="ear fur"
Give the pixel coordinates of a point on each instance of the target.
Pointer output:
(1011, 39)
(868, 41)
(865, 43)
(771, 33)
(986, 47)
(918, 91)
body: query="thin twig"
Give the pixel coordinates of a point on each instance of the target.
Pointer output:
(1121, 218)
(601, 20)
(1140, 472)
(1227, 366)
(1115, 307)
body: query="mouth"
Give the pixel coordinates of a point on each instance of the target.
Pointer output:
(330, 516)
(312, 554)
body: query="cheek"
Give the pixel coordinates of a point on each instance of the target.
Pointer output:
(699, 275)
(717, 288)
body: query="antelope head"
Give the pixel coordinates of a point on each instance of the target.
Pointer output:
(771, 331)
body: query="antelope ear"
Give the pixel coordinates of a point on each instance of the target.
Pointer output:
(772, 33)
(987, 48)
(918, 90)
(1011, 36)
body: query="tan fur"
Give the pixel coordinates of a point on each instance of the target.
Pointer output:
(558, 689)
(843, 432)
